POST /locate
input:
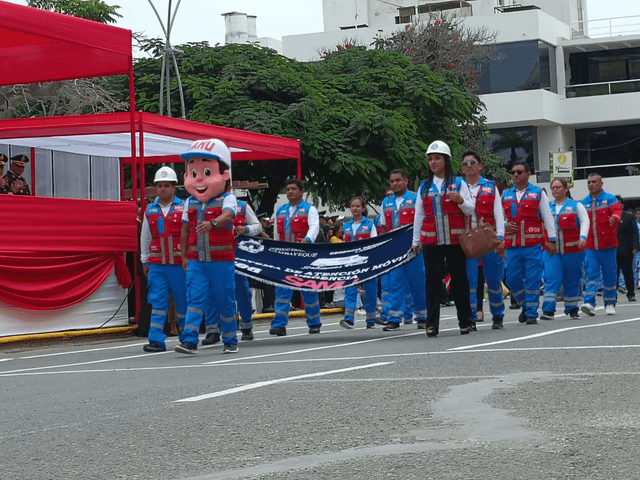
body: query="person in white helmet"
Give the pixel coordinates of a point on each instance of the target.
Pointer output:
(161, 258)
(207, 242)
(443, 202)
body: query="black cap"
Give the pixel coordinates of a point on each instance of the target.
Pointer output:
(20, 159)
(322, 213)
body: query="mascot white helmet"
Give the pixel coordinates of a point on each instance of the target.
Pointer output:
(166, 174)
(212, 148)
(439, 147)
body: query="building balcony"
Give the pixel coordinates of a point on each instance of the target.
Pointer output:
(602, 88)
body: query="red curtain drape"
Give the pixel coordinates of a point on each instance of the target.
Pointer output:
(56, 252)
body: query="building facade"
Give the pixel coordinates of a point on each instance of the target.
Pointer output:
(559, 81)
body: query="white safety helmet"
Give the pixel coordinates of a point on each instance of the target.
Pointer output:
(439, 147)
(166, 174)
(211, 148)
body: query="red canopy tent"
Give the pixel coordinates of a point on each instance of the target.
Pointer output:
(40, 46)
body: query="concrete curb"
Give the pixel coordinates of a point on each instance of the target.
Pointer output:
(129, 329)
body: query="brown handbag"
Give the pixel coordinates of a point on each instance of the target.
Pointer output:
(478, 241)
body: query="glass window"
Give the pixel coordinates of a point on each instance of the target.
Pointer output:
(516, 66)
(599, 147)
(513, 144)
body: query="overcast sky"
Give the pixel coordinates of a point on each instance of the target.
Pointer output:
(199, 20)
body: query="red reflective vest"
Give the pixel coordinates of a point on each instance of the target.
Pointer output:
(567, 227)
(397, 217)
(240, 220)
(602, 234)
(526, 216)
(165, 234)
(443, 220)
(485, 201)
(363, 231)
(218, 244)
(294, 228)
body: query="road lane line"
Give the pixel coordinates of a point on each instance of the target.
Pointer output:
(543, 334)
(279, 380)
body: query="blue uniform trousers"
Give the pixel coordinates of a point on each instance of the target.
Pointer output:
(384, 296)
(243, 304)
(283, 304)
(566, 271)
(493, 273)
(163, 279)
(370, 303)
(524, 274)
(210, 285)
(597, 261)
(408, 276)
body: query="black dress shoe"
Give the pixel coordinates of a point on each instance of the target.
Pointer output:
(269, 310)
(314, 329)
(522, 318)
(279, 331)
(211, 339)
(391, 327)
(531, 321)
(632, 298)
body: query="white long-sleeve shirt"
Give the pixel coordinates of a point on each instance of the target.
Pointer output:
(254, 227)
(467, 207)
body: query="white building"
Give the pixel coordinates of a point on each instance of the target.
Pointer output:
(242, 28)
(560, 82)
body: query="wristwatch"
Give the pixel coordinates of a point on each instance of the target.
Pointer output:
(214, 224)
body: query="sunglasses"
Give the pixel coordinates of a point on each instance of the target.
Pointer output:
(517, 172)
(469, 162)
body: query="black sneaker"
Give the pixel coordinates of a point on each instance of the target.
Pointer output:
(422, 325)
(497, 323)
(391, 327)
(381, 321)
(279, 331)
(522, 318)
(371, 325)
(211, 339)
(632, 298)
(473, 328)
(531, 321)
(186, 347)
(573, 313)
(547, 316)
(346, 324)
(247, 334)
(153, 347)
(314, 329)
(269, 310)
(230, 349)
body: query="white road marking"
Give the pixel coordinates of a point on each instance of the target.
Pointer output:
(273, 382)
(5, 359)
(316, 360)
(543, 334)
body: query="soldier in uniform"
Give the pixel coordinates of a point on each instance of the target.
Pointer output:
(13, 183)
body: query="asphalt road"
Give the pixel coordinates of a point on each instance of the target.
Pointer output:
(557, 400)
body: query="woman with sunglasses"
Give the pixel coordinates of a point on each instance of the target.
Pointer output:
(565, 268)
(443, 202)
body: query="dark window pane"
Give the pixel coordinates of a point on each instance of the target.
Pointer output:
(598, 147)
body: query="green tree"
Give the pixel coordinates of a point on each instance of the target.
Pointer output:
(95, 10)
(358, 113)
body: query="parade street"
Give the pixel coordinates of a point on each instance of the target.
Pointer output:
(556, 400)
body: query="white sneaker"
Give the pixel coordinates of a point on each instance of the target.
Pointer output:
(610, 309)
(588, 309)
(361, 312)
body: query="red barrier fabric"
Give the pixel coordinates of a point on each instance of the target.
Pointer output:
(55, 252)
(44, 282)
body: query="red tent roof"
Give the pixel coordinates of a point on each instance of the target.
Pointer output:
(41, 46)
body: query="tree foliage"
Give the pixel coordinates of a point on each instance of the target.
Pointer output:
(449, 47)
(358, 113)
(95, 10)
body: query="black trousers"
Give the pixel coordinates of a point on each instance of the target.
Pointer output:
(625, 264)
(434, 259)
